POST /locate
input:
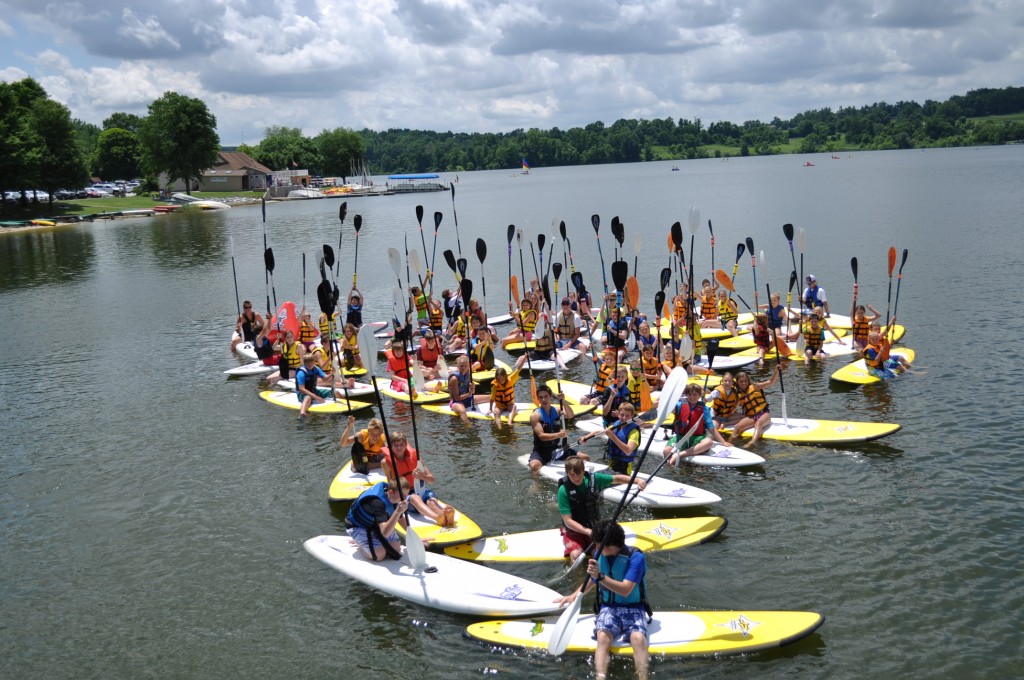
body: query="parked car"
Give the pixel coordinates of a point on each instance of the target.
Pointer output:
(64, 194)
(93, 192)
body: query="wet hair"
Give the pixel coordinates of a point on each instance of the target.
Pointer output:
(608, 532)
(574, 464)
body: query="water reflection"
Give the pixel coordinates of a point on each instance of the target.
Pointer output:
(189, 240)
(34, 258)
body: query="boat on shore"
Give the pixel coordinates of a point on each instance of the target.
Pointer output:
(406, 184)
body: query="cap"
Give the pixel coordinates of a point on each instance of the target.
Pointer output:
(566, 301)
(811, 277)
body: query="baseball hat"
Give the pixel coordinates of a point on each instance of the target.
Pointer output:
(811, 277)
(566, 301)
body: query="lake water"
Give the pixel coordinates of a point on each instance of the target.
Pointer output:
(152, 513)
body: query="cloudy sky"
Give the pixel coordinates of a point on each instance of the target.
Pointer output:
(497, 65)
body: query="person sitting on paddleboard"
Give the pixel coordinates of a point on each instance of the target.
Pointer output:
(306, 380)
(263, 347)
(618, 573)
(650, 367)
(372, 520)
(435, 315)
(396, 365)
(419, 301)
(307, 330)
(755, 406)
(354, 309)
(367, 444)
(877, 356)
(814, 295)
(482, 341)
(689, 411)
(709, 305)
(813, 331)
(762, 336)
(616, 394)
(567, 326)
(248, 325)
(728, 312)
(861, 325)
(616, 332)
(503, 396)
(461, 388)
(543, 350)
(647, 338)
(548, 432)
(416, 476)
(623, 438)
(526, 321)
(605, 373)
(724, 399)
(350, 347)
(428, 353)
(579, 497)
(291, 356)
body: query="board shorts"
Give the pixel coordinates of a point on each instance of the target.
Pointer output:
(622, 467)
(573, 540)
(322, 392)
(544, 458)
(361, 537)
(562, 344)
(689, 442)
(622, 620)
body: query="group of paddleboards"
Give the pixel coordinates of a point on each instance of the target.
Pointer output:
(694, 341)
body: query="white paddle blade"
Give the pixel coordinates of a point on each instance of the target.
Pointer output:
(541, 327)
(564, 628)
(801, 239)
(637, 242)
(417, 376)
(670, 394)
(764, 266)
(368, 348)
(685, 346)
(398, 305)
(395, 258)
(694, 219)
(417, 553)
(442, 367)
(414, 262)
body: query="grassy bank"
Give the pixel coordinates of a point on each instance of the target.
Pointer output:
(90, 206)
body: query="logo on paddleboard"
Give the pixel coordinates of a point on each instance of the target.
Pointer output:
(511, 593)
(740, 624)
(843, 428)
(663, 530)
(678, 492)
(502, 545)
(538, 627)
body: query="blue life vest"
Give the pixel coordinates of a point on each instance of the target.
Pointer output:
(622, 432)
(357, 514)
(616, 568)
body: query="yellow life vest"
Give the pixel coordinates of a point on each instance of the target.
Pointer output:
(724, 404)
(753, 401)
(290, 353)
(727, 310)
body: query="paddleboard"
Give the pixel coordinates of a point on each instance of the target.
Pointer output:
(705, 333)
(538, 365)
(498, 320)
(254, 368)
(360, 389)
(692, 633)
(718, 456)
(546, 545)
(520, 346)
(858, 372)
(456, 586)
(246, 349)
(809, 431)
(727, 362)
(291, 400)
(746, 341)
(575, 391)
(524, 409)
(834, 348)
(660, 492)
(423, 397)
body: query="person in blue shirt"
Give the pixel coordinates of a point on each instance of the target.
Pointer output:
(306, 384)
(619, 574)
(373, 518)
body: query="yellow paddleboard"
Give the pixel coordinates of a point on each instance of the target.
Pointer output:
(291, 401)
(858, 372)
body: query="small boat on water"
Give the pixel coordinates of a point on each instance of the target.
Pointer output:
(306, 193)
(808, 164)
(198, 203)
(675, 168)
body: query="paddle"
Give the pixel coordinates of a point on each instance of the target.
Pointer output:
(536, 276)
(413, 542)
(342, 212)
(433, 254)
(801, 243)
(676, 233)
(357, 224)
(853, 268)
(540, 249)
(775, 339)
(303, 280)
(595, 222)
(325, 297)
(481, 254)
(789, 311)
(562, 631)
(659, 305)
(268, 260)
(234, 274)
(522, 267)
(577, 282)
(546, 290)
(892, 265)
(735, 267)
(510, 234)
(712, 230)
(466, 286)
(329, 260)
(637, 243)
(462, 263)
(568, 244)
(787, 229)
(753, 267)
(899, 280)
(455, 215)
(449, 258)
(423, 239)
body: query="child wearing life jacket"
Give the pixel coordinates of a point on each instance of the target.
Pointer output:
(755, 406)
(503, 396)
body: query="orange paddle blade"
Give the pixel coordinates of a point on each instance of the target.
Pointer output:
(724, 279)
(633, 294)
(781, 348)
(513, 285)
(646, 403)
(533, 389)
(892, 259)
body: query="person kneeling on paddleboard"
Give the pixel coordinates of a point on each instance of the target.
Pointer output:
(373, 517)
(579, 495)
(689, 411)
(461, 388)
(622, 599)
(367, 445)
(546, 422)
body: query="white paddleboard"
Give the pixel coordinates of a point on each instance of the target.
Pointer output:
(498, 320)
(538, 365)
(456, 586)
(660, 492)
(254, 368)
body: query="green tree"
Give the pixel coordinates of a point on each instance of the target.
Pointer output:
(286, 148)
(117, 154)
(86, 134)
(125, 121)
(16, 141)
(340, 149)
(59, 162)
(179, 137)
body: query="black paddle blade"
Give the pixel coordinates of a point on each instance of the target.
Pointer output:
(462, 263)
(334, 297)
(739, 251)
(710, 228)
(618, 230)
(620, 272)
(787, 229)
(328, 256)
(467, 291)
(677, 236)
(438, 217)
(557, 268)
(357, 222)
(904, 261)
(268, 259)
(547, 289)
(853, 268)
(540, 244)
(323, 272)
(342, 211)
(449, 257)
(711, 349)
(792, 278)
(561, 229)
(481, 250)
(511, 233)
(452, 187)
(666, 276)
(577, 282)
(750, 247)
(595, 221)
(659, 302)
(419, 215)
(323, 296)
(263, 207)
